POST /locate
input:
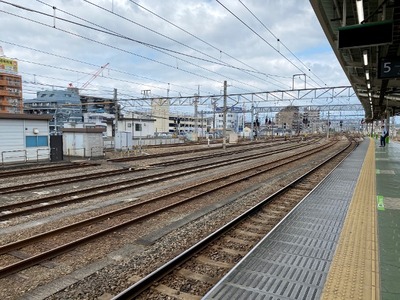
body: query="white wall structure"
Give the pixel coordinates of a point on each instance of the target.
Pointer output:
(83, 142)
(140, 125)
(160, 111)
(99, 120)
(233, 119)
(233, 138)
(185, 123)
(123, 140)
(24, 138)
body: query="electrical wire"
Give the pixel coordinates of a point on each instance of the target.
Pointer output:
(86, 73)
(114, 47)
(97, 66)
(215, 60)
(257, 34)
(207, 43)
(117, 35)
(103, 30)
(280, 41)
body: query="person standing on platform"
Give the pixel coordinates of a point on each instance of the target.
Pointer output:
(383, 136)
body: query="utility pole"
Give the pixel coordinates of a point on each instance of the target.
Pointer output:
(243, 116)
(116, 114)
(224, 119)
(202, 125)
(196, 100)
(145, 94)
(252, 118)
(214, 103)
(328, 126)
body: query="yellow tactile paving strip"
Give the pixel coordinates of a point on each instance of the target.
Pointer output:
(354, 272)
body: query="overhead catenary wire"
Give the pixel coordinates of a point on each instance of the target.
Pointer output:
(152, 79)
(107, 31)
(214, 60)
(280, 41)
(97, 66)
(114, 47)
(258, 35)
(117, 35)
(209, 44)
(162, 49)
(82, 72)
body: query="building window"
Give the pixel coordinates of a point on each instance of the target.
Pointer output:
(37, 141)
(138, 127)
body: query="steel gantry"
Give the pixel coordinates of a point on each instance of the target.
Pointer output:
(281, 97)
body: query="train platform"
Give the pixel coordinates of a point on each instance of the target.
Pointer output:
(341, 242)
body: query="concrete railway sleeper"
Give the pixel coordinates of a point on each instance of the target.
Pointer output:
(193, 272)
(45, 203)
(54, 182)
(175, 198)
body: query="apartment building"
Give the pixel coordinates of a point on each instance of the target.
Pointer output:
(10, 87)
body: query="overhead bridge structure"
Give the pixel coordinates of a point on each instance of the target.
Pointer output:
(278, 98)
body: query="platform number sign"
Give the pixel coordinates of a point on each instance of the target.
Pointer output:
(389, 68)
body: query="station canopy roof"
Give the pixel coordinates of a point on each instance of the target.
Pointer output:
(367, 49)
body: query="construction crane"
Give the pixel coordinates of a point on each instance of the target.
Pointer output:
(91, 78)
(94, 76)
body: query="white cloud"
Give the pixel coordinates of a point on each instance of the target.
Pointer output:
(134, 67)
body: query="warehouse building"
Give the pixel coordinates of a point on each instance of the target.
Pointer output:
(24, 138)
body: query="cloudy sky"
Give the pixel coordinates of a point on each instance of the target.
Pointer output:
(167, 47)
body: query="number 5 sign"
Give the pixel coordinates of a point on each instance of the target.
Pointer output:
(389, 68)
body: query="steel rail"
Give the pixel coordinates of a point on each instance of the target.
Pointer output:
(23, 264)
(136, 289)
(65, 180)
(134, 158)
(117, 187)
(34, 185)
(23, 172)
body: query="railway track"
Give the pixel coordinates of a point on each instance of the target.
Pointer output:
(193, 272)
(93, 228)
(54, 182)
(190, 151)
(47, 169)
(53, 201)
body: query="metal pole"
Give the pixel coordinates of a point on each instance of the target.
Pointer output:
(133, 129)
(214, 125)
(327, 127)
(145, 94)
(243, 116)
(116, 116)
(196, 125)
(252, 119)
(202, 125)
(224, 119)
(305, 80)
